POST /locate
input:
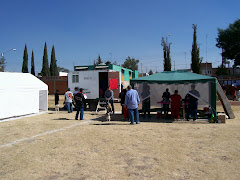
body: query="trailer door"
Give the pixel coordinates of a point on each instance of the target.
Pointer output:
(114, 83)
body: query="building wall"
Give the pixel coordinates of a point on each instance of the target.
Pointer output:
(56, 83)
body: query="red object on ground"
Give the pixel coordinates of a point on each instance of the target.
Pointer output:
(125, 112)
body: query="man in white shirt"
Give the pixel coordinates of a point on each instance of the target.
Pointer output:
(69, 100)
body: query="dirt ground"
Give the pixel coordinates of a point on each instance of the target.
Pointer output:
(55, 146)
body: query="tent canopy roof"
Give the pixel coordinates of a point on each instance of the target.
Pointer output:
(12, 80)
(173, 77)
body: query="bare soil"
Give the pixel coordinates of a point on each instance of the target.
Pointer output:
(56, 146)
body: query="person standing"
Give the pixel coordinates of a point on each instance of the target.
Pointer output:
(175, 105)
(166, 102)
(109, 98)
(75, 91)
(79, 102)
(56, 97)
(193, 101)
(146, 100)
(69, 100)
(234, 92)
(132, 101)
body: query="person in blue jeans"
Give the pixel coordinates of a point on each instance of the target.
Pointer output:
(69, 100)
(79, 102)
(109, 98)
(132, 101)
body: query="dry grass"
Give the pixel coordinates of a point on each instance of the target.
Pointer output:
(117, 150)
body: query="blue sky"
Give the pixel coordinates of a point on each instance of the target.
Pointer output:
(80, 30)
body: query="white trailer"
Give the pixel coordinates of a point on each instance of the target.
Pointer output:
(95, 83)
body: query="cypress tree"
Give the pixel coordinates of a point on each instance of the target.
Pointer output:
(166, 55)
(32, 64)
(196, 60)
(25, 60)
(45, 67)
(53, 64)
(99, 60)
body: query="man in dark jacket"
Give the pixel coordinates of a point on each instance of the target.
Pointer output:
(79, 102)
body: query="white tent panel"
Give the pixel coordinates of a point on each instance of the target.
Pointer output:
(43, 100)
(157, 90)
(19, 103)
(21, 94)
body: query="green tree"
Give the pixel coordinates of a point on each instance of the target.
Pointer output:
(45, 67)
(108, 62)
(115, 63)
(229, 40)
(62, 69)
(2, 64)
(53, 64)
(131, 63)
(221, 70)
(25, 60)
(32, 64)
(166, 55)
(99, 60)
(196, 60)
(150, 72)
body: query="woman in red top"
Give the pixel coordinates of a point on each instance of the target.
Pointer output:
(175, 105)
(234, 92)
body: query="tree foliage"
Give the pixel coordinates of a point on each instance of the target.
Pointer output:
(62, 69)
(2, 64)
(221, 70)
(229, 40)
(99, 60)
(166, 55)
(32, 64)
(150, 72)
(25, 60)
(108, 62)
(115, 63)
(53, 64)
(45, 67)
(196, 60)
(131, 63)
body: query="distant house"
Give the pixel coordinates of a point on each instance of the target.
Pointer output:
(142, 74)
(207, 69)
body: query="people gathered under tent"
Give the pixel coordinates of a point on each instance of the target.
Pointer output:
(175, 105)
(166, 101)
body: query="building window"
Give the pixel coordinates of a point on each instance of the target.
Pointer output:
(75, 78)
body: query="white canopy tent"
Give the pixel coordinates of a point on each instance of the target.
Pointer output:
(21, 94)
